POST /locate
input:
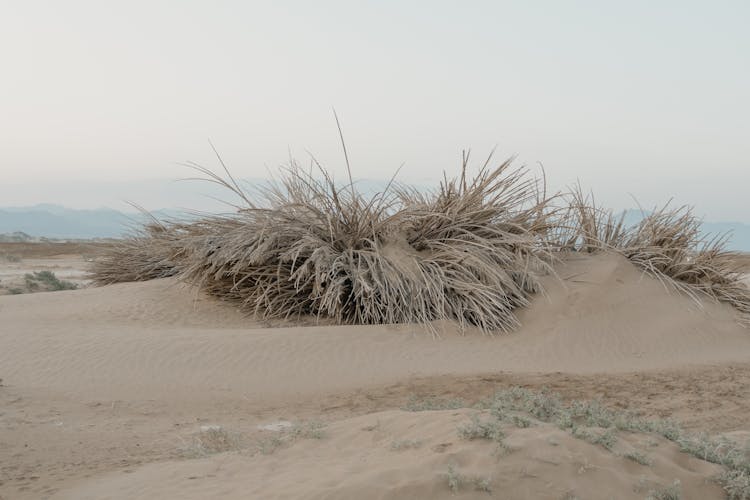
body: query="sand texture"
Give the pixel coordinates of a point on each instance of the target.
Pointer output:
(105, 390)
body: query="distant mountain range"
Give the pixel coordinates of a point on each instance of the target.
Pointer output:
(55, 221)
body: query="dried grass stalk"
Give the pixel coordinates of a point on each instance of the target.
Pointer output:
(152, 252)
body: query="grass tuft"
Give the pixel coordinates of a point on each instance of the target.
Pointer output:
(481, 429)
(672, 492)
(212, 440)
(638, 457)
(46, 281)
(456, 481)
(431, 403)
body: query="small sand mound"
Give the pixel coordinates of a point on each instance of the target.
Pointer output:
(156, 303)
(403, 455)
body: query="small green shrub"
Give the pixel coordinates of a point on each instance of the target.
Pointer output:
(456, 481)
(47, 280)
(638, 457)
(672, 492)
(481, 429)
(736, 483)
(432, 403)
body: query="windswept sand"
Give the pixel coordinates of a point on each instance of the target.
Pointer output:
(99, 381)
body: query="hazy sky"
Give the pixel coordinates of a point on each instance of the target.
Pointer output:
(648, 98)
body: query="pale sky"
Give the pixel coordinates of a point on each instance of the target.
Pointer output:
(640, 98)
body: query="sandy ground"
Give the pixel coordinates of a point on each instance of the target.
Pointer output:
(105, 391)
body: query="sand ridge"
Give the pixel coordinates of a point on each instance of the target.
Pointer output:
(397, 454)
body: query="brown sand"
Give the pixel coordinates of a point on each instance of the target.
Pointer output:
(100, 381)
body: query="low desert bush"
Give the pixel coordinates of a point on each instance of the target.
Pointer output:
(672, 492)
(481, 429)
(432, 403)
(471, 252)
(457, 480)
(47, 281)
(212, 440)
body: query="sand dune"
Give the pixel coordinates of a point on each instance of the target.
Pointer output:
(141, 363)
(157, 339)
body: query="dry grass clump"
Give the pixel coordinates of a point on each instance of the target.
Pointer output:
(470, 252)
(667, 244)
(152, 252)
(211, 440)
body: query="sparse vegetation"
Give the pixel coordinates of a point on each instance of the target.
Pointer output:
(481, 429)
(213, 439)
(638, 457)
(736, 483)
(47, 281)
(596, 424)
(520, 421)
(456, 481)
(606, 438)
(672, 492)
(313, 429)
(431, 403)
(39, 281)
